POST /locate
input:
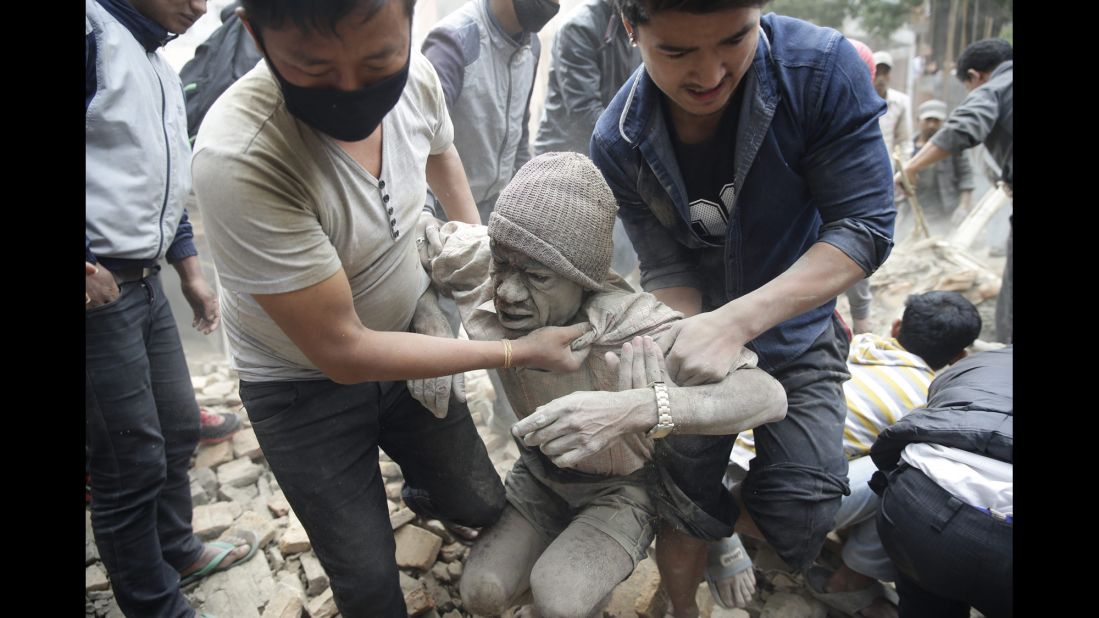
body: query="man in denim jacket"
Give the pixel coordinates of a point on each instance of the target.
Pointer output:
(752, 178)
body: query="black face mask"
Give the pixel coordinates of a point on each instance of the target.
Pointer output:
(346, 116)
(534, 14)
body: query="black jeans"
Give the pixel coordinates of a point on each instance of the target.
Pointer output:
(141, 424)
(799, 474)
(949, 555)
(321, 440)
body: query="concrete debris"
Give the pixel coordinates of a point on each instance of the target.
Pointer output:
(278, 504)
(95, 578)
(315, 578)
(214, 455)
(245, 444)
(210, 520)
(323, 606)
(416, 547)
(791, 605)
(239, 473)
(287, 603)
(401, 517)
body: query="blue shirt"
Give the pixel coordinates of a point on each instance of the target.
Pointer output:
(811, 166)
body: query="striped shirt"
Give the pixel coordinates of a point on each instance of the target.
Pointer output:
(886, 383)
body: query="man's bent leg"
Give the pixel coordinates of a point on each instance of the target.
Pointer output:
(447, 472)
(578, 571)
(126, 456)
(498, 567)
(681, 560)
(799, 474)
(321, 440)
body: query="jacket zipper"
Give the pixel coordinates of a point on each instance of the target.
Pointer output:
(168, 154)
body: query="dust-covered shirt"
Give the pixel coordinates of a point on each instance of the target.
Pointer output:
(617, 315)
(285, 208)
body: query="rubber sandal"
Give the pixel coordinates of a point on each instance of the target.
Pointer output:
(225, 549)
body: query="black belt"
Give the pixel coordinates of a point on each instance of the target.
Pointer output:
(134, 273)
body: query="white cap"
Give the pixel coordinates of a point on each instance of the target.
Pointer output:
(883, 57)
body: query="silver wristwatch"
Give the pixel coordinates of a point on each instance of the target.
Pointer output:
(664, 424)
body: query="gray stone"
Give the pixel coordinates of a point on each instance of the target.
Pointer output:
(287, 603)
(240, 495)
(95, 578)
(199, 495)
(293, 539)
(454, 569)
(198, 382)
(210, 520)
(205, 477)
(440, 573)
(100, 595)
(416, 547)
(315, 578)
(89, 608)
(438, 594)
(791, 605)
(323, 606)
(274, 556)
(235, 509)
(454, 551)
(401, 517)
(218, 389)
(113, 611)
(213, 455)
(291, 580)
(245, 444)
(418, 602)
(277, 504)
(393, 490)
(390, 470)
(452, 614)
(265, 529)
(408, 583)
(239, 472)
(91, 552)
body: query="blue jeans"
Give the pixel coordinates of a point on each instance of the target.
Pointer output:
(321, 440)
(949, 555)
(141, 424)
(799, 473)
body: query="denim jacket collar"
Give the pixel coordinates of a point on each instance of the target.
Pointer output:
(642, 124)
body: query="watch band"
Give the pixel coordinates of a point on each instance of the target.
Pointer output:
(664, 424)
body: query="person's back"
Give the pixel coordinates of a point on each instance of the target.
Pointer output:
(591, 59)
(223, 58)
(946, 480)
(486, 56)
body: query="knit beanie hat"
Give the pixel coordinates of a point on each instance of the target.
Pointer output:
(559, 210)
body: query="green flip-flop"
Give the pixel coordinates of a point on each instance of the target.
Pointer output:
(224, 549)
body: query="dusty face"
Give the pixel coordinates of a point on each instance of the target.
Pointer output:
(362, 52)
(698, 60)
(929, 126)
(528, 295)
(881, 79)
(176, 16)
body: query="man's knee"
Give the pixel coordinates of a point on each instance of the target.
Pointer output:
(484, 593)
(554, 598)
(795, 510)
(481, 507)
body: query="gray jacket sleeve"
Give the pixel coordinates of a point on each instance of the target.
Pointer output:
(963, 172)
(578, 73)
(970, 123)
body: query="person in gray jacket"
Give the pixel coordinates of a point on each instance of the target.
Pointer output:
(945, 189)
(141, 419)
(986, 116)
(590, 60)
(486, 54)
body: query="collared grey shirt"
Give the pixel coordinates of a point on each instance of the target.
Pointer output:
(984, 117)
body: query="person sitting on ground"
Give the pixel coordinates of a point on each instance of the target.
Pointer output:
(584, 496)
(889, 377)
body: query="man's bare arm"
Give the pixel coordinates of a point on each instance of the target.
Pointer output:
(322, 322)
(448, 182)
(576, 426)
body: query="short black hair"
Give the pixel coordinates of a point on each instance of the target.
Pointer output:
(319, 16)
(640, 11)
(937, 326)
(982, 56)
